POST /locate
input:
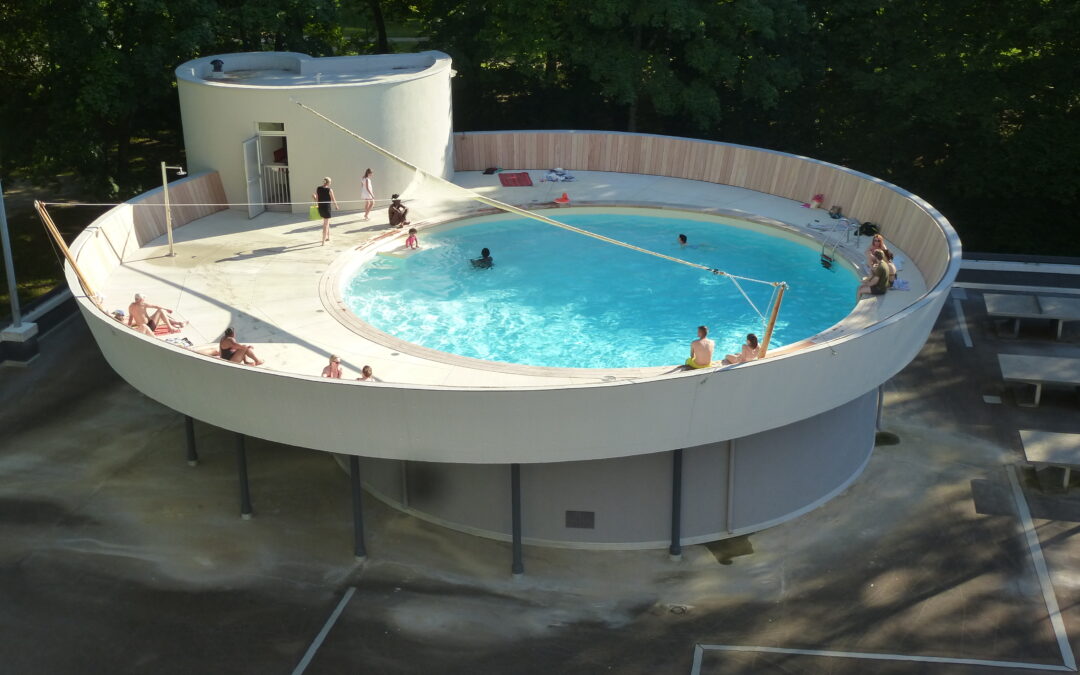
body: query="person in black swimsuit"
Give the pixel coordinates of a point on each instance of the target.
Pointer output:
(231, 350)
(323, 196)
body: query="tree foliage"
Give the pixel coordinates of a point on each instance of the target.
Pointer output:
(972, 105)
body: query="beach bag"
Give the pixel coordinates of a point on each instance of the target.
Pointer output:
(869, 229)
(313, 212)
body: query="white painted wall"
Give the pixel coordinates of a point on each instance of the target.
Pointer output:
(408, 114)
(516, 425)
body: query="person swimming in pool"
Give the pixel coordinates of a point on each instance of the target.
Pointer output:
(485, 260)
(701, 349)
(684, 243)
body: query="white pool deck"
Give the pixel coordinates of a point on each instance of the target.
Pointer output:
(262, 276)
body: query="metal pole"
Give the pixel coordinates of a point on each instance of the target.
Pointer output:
(241, 467)
(676, 504)
(359, 550)
(731, 486)
(168, 211)
(189, 434)
(517, 567)
(880, 406)
(9, 266)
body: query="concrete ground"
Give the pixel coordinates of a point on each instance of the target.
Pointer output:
(116, 557)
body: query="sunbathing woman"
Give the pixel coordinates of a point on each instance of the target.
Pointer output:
(233, 351)
(749, 352)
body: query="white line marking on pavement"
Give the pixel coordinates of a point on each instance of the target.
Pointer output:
(317, 642)
(872, 656)
(1018, 289)
(962, 321)
(1041, 570)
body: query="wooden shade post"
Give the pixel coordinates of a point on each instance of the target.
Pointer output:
(50, 227)
(781, 287)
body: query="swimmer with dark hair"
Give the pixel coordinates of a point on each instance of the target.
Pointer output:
(485, 260)
(682, 240)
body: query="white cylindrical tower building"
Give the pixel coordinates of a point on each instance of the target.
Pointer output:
(241, 119)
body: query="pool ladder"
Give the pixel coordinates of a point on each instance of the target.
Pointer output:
(839, 234)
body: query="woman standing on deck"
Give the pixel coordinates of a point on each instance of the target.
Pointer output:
(323, 196)
(367, 192)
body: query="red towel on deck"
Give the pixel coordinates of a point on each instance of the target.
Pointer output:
(518, 179)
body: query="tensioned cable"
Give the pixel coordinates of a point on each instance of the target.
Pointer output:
(519, 211)
(747, 297)
(179, 204)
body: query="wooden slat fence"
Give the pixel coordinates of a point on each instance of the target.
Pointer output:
(904, 221)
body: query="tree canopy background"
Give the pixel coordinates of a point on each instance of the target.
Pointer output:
(974, 106)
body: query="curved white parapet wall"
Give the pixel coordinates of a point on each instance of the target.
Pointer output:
(551, 424)
(399, 101)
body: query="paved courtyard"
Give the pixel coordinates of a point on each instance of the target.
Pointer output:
(117, 557)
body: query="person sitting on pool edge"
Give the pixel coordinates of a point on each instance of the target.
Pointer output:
(701, 349)
(484, 261)
(398, 212)
(878, 281)
(749, 352)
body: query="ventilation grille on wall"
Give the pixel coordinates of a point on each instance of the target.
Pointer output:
(583, 520)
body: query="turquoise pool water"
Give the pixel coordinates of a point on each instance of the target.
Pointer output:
(555, 298)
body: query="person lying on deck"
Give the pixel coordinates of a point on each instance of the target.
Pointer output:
(140, 320)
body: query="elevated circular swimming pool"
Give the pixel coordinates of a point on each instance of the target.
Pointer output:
(559, 299)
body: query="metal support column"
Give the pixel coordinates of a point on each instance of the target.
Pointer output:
(675, 550)
(517, 567)
(359, 550)
(189, 434)
(880, 406)
(731, 486)
(241, 468)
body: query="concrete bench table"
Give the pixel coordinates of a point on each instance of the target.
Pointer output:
(1039, 370)
(1047, 448)
(1016, 307)
(1059, 309)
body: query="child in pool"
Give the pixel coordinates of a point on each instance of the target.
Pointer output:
(411, 242)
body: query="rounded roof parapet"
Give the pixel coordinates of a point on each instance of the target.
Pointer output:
(294, 70)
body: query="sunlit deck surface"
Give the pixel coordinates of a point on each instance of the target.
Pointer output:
(262, 276)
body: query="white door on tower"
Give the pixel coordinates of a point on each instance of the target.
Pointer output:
(253, 175)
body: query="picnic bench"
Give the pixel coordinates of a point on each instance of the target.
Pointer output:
(1048, 448)
(1017, 307)
(1039, 371)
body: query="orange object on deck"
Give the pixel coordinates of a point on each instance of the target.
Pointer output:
(565, 199)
